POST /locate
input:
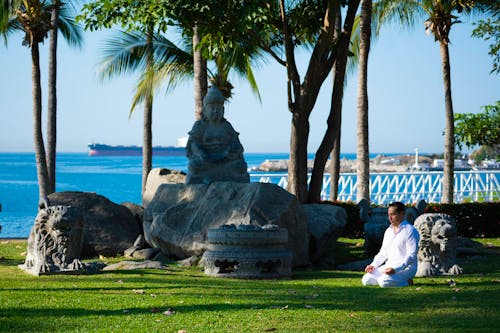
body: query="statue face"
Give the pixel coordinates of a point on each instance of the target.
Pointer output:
(442, 233)
(214, 111)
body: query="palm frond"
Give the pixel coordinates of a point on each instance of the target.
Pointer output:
(122, 54)
(404, 13)
(144, 89)
(71, 31)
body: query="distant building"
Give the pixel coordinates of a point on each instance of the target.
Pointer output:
(459, 164)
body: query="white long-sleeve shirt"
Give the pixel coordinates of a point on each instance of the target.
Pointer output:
(399, 250)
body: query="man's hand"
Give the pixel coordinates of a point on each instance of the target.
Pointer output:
(389, 271)
(369, 268)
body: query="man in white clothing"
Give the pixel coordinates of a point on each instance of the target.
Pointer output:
(396, 263)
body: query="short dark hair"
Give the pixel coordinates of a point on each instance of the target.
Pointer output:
(400, 207)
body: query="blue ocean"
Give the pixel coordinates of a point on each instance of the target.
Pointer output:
(116, 177)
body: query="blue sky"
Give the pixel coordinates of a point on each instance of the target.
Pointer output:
(406, 98)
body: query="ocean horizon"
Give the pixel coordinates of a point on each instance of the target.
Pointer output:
(117, 178)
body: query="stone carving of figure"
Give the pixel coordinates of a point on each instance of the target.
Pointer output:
(438, 245)
(55, 241)
(213, 148)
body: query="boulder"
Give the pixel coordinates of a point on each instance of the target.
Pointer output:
(326, 223)
(179, 216)
(108, 228)
(157, 177)
(136, 210)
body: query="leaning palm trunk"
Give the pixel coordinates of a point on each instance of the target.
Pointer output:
(52, 101)
(200, 75)
(362, 152)
(41, 163)
(449, 139)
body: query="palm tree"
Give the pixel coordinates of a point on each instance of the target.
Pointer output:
(62, 19)
(362, 152)
(33, 18)
(156, 59)
(36, 19)
(440, 15)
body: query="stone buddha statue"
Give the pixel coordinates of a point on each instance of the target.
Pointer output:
(213, 148)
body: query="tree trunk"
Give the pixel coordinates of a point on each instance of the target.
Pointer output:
(449, 139)
(147, 135)
(297, 167)
(362, 152)
(335, 154)
(52, 101)
(41, 163)
(332, 134)
(200, 75)
(335, 165)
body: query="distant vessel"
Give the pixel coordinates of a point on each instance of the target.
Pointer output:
(99, 149)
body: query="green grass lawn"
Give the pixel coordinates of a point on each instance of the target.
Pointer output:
(311, 301)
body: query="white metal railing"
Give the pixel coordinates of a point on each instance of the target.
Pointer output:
(408, 187)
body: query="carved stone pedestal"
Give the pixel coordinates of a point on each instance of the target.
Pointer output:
(247, 251)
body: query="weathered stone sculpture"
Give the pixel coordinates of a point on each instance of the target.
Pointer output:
(248, 251)
(375, 222)
(177, 219)
(213, 148)
(55, 241)
(438, 245)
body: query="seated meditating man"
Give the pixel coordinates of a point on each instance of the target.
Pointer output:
(213, 148)
(395, 264)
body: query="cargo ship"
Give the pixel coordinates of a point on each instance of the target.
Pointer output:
(99, 149)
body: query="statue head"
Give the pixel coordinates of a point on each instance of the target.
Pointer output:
(444, 234)
(213, 104)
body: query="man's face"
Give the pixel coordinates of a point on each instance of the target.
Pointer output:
(395, 217)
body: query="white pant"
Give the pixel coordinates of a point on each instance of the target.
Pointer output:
(399, 279)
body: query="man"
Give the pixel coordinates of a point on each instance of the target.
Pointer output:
(395, 264)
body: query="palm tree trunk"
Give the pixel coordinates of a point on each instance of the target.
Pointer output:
(449, 139)
(147, 135)
(41, 163)
(335, 154)
(200, 75)
(52, 101)
(362, 152)
(335, 165)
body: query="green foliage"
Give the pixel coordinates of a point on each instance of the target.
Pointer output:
(311, 301)
(489, 30)
(473, 219)
(481, 129)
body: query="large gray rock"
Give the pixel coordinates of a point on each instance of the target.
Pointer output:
(160, 176)
(326, 223)
(108, 228)
(179, 216)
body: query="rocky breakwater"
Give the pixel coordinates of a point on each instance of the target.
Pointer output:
(381, 163)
